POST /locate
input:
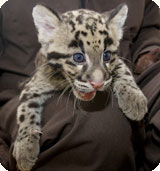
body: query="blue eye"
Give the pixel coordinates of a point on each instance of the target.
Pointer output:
(78, 58)
(106, 56)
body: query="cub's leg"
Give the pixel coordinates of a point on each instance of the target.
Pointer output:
(131, 99)
(32, 99)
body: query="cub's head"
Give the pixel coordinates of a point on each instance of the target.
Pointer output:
(82, 45)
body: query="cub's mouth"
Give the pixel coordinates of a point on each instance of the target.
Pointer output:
(85, 96)
(86, 91)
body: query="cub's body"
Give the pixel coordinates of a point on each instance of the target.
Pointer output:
(78, 51)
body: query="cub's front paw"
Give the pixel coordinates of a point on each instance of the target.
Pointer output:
(132, 102)
(26, 150)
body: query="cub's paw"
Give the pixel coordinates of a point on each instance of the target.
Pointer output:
(132, 102)
(26, 150)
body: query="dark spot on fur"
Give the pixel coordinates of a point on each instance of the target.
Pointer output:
(84, 33)
(21, 130)
(32, 117)
(117, 67)
(127, 73)
(80, 19)
(21, 118)
(104, 32)
(46, 93)
(73, 44)
(57, 55)
(20, 139)
(55, 66)
(32, 122)
(88, 76)
(37, 112)
(70, 14)
(77, 35)
(99, 41)
(73, 25)
(36, 95)
(80, 43)
(72, 74)
(33, 105)
(23, 110)
(112, 60)
(88, 43)
(79, 78)
(70, 63)
(99, 20)
(107, 41)
(117, 76)
(81, 46)
(37, 123)
(88, 27)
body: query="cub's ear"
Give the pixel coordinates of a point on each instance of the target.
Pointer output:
(116, 18)
(46, 21)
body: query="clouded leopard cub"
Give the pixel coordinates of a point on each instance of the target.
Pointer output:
(79, 50)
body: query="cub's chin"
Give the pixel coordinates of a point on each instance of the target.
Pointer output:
(84, 96)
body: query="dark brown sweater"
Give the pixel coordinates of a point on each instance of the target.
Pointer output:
(99, 137)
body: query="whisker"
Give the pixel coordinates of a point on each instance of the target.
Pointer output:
(108, 95)
(63, 92)
(79, 106)
(74, 106)
(69, 94)
(112, 96)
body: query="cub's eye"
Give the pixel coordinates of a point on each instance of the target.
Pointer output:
(79, 58)
(106, 56)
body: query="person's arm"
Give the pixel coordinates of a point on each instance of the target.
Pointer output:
(146, 60)
(148, 38)
(145, 52)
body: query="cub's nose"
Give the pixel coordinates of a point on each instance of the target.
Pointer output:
(96, 85)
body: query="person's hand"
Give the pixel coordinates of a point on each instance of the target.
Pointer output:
(147, 59)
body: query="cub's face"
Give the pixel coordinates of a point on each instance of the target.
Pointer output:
(82, 45)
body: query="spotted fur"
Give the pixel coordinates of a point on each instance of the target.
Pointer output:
(62, 36)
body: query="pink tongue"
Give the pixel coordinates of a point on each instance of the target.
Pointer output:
(87, 96)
